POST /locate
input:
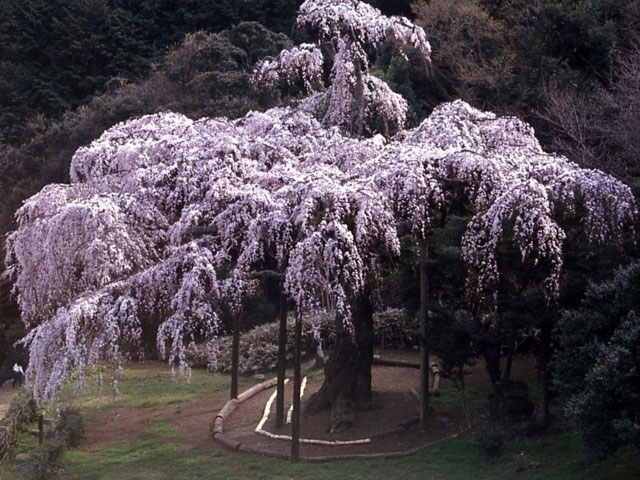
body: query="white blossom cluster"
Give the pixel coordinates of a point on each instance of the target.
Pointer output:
(363, 24)
(302, 63)
(168, 221)
(355, 100)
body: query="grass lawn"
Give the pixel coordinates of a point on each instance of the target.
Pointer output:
(146, 385)
(155, 457)
(155, 452)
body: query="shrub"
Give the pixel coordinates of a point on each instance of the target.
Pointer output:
(44, 461)
(70, 427)
(394, 328)
(22, 409)
(597, 367)
(489, 438)
(259, 346)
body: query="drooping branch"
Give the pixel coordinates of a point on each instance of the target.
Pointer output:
(303, 63)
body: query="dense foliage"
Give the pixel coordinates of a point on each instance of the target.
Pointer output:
(57, 54)
(598, 365)
(207, 74)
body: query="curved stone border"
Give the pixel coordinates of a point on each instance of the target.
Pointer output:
(385, 362)
(309, 441)
(230, 406)
(302, 387)
(217, 428)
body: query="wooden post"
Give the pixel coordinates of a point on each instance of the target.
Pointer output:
(295, 417)
(235, 355)
(542, 365)
(424, 351)
(40, 429)
(282, 358)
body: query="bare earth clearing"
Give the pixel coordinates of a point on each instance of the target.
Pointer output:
(394, 404)
(191, 420)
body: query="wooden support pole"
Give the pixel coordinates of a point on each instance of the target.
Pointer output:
(282, 358)
(235, 355)
(295, 418)
(543, 359)
(424, 351)
(40, 429)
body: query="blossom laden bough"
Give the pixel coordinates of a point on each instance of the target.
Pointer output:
(364, 24)
(355, 100)
(303, 63)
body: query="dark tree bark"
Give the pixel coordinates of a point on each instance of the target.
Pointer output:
(40, 429)
(347, 383)
(282, 358)
(543, 357)
(235, 355)
(511, 353)
(491, 356)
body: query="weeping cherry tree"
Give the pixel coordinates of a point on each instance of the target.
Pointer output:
(169, 223)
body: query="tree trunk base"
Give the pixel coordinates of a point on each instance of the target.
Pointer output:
(342, 415)
(347, 384)
(343, 408)
(511, 402)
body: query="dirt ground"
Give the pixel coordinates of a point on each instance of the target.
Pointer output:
(191, 421)
(393, 404)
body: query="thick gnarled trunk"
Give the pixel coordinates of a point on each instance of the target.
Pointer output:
(491, 356)
(347, 383)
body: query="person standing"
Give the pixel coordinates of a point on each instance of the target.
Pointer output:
(18, 375)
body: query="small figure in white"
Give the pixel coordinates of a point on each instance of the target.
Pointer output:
(18, 375)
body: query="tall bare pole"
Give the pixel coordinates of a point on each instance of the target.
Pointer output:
(282, 358)
(235, 355)
(424, 351)
(295, 417)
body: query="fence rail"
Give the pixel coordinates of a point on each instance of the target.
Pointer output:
(4, 448)
(9, 428)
